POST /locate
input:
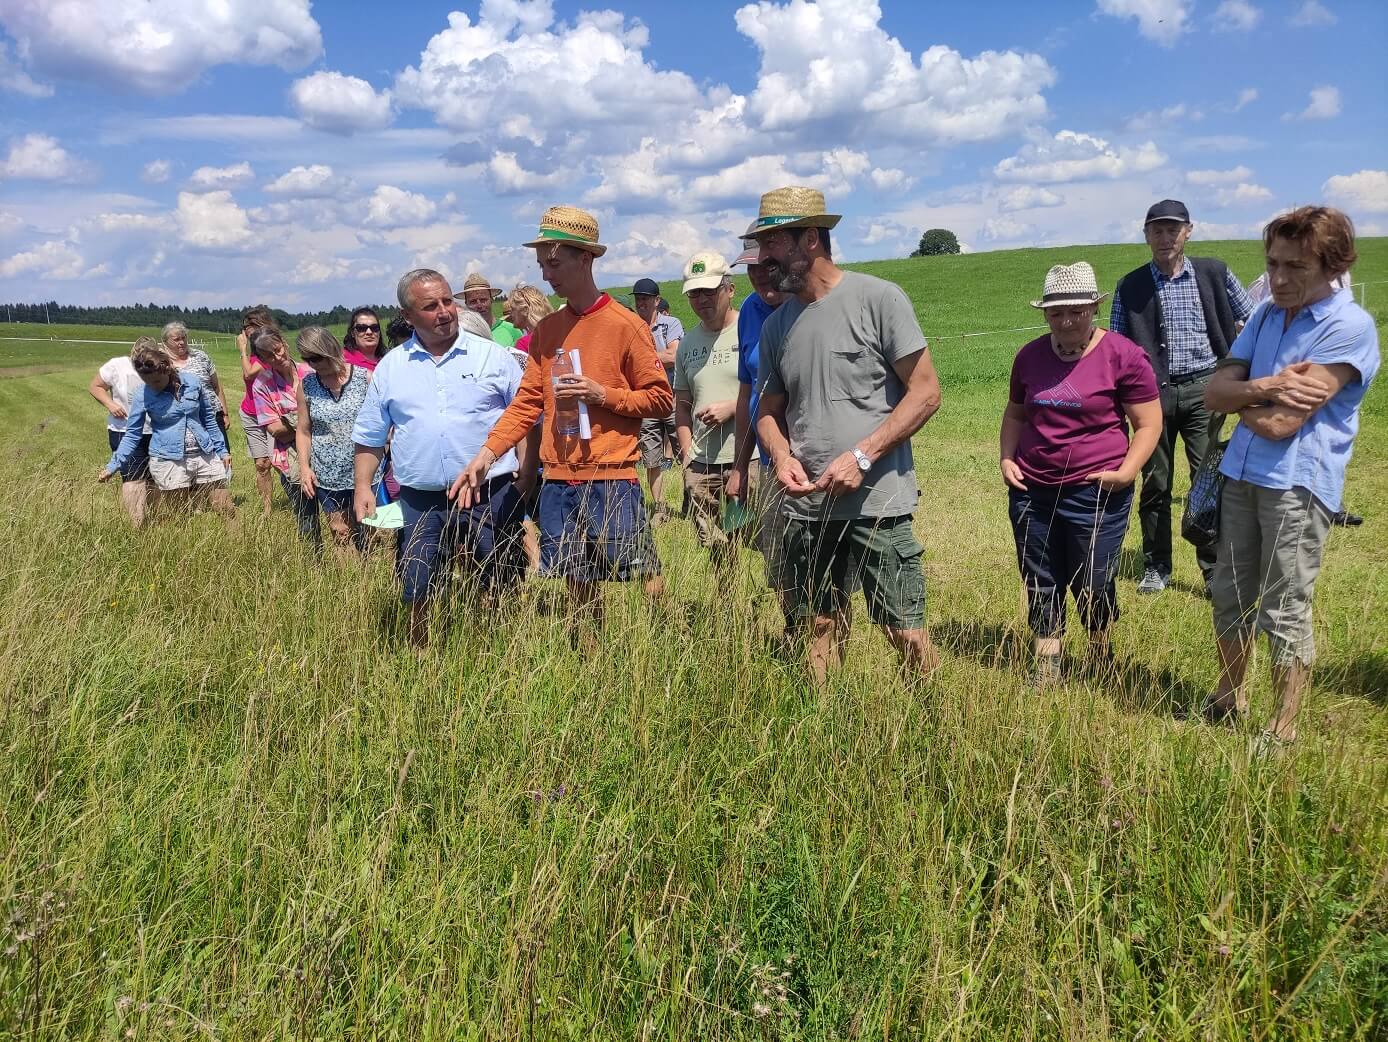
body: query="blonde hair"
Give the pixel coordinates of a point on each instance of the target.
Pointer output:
(148, 351)
(528, 306)
(315, 340)
(262, 338)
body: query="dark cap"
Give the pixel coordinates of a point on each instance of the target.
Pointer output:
(1168, 210)
(645, 288)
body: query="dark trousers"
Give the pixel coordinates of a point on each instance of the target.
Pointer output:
(487, 537)
(1184, 415)
(1069, 538)
(305, 510)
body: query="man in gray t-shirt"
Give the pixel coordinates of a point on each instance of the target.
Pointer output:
(846, 380)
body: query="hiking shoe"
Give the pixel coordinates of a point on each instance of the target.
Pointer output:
(1345, 519)
(1152, 581)
(1045, 672)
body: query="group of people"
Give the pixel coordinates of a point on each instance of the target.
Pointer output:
(521, 437)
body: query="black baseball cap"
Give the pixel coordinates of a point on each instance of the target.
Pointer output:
(645, 288)
(1168, 210)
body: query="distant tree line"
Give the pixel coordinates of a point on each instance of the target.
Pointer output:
(213, 320)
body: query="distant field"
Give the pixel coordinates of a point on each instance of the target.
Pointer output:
(235, 806)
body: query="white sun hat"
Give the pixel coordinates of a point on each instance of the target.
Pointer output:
(1070, 284)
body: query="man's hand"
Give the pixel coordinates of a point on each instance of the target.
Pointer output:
(793, 478)
(735, 485)
(583, 388)
(715, 413)
(1112, 480)
(841, 476)
(465, 486)
(103, 475)
(364, 502)
(1293, 388)
(119, 411)
(308, 482)
(1012, 474)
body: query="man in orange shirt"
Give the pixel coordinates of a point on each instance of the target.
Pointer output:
(592, 517)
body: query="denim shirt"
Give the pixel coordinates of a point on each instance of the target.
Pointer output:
(171, 416)
(1332, 330)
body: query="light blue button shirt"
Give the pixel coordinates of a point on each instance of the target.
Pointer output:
(1332, 330)
(441, 411)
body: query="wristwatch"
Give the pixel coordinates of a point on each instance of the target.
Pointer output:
(864, 464)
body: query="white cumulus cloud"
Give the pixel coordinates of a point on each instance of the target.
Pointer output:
(209, 178)
(50, 260)
(1324, 104)
(1312, 14)
(1163, 21)
(1364, 192)
(307, 182)
(1028, 197)
(832, 66)
(159, 46)
(1237, 16)
(1246, 97)
(891, 179)
(1219, 177)
(391, 207)
(1242, 194)
(507, 177)
(38, 157)
(211, 220)
(1073, 156)
(340, 104)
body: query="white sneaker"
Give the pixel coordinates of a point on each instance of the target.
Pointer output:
(1152, 582)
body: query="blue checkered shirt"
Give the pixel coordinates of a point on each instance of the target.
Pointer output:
(1183, 319)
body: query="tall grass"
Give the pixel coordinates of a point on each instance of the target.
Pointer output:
(236, 806)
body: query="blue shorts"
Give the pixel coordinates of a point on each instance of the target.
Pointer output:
(595, 531)
(335, 500)
(487, 536)
(137, 467)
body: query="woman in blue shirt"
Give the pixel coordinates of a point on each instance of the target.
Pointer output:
(188, 457)
(1296, 377)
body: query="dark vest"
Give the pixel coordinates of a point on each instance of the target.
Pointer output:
(1139, 292)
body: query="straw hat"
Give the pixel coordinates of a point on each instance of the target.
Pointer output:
(792, 207)
(477, 281)
(1070, 284)
(569, 226)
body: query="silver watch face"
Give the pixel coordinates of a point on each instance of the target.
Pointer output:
(864, 464)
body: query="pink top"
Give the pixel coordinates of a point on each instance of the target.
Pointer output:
(354, 357)
(248, 402)
(1075, 420)
(273, 398)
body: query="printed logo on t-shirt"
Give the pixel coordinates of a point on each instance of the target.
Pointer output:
(1062, 396)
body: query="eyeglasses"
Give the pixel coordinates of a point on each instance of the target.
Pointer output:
(362, 327)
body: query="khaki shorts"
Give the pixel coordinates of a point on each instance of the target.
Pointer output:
(705, 483)
(825, 561)
(657, 439)
(194, 469)
(1268, 558)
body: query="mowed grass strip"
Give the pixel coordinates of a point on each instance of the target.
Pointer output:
(236, 807)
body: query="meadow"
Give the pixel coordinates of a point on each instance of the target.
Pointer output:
(237, 806)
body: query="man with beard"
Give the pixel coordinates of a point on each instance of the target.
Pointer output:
(478, 296)
(847, 379)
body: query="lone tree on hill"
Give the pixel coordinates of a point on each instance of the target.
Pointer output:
(935, 242)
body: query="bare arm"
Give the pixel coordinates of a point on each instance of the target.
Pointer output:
(667, 356)
(684, 424)
(771, 428)
(250, 365)
(1277, 422)
(364, 464)
(1146, 420)
(303, 442)
(1230, 389)
(920, 402)
(742, 428)
(1014, 418)
(102, 393)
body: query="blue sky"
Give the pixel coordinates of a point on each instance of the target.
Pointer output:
(226, 152)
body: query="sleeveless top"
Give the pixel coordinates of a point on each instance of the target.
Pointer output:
(330, 426)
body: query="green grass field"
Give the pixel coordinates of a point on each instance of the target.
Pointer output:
(235, 806)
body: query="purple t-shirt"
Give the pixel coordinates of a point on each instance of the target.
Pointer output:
(1075, 420)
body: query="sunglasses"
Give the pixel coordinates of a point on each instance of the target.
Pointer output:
(362, 327)
(148, 368)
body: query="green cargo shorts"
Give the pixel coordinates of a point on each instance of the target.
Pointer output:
(824, 562)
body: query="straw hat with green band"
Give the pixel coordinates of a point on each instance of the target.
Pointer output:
(569, 226)
(792, 207)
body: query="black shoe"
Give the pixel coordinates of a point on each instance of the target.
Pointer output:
(1345, 519)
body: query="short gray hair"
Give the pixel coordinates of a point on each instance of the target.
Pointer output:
(474, 324)
(264, 337)
(170, 328)
(408, 280)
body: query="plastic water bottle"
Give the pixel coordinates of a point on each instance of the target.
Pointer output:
(565, 409)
